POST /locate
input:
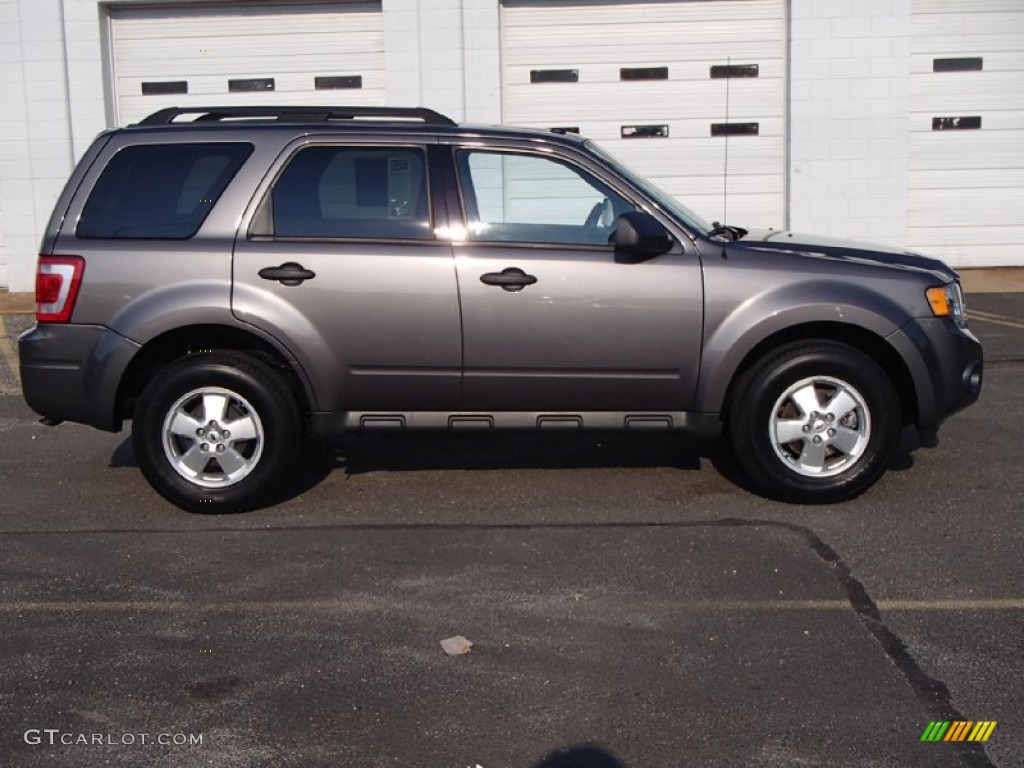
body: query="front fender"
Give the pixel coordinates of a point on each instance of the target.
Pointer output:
(732, 336)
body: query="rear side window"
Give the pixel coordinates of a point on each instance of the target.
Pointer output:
(159, 190)
(349, 192)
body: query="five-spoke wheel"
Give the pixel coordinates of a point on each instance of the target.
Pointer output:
(216, 432)
(814, 421)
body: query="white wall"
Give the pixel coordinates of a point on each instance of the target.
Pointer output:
(444, 54)
(35, 149)
(850, 118)
(848, 122)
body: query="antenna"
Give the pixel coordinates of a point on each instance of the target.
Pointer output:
(725, 170)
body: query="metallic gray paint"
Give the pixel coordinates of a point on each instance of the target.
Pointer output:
(72, 372)
(404, 334)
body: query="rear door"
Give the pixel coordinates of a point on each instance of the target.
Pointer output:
(338, 259)
(553, 319)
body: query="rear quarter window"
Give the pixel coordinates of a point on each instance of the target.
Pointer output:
(159, 190)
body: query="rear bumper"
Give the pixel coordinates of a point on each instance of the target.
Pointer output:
(947, 365)
(72, 372)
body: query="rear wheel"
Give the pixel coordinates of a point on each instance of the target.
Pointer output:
(815, 422)
(216, 432)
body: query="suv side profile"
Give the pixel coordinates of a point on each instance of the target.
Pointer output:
(234, 280)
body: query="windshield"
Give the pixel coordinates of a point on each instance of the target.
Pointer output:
(660, 196)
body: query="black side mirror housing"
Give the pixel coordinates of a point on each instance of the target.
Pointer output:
(639, 235)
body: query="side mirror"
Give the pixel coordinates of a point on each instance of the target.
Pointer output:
(640, 235)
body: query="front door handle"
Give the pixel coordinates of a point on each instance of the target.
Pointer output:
(288, 273)
(511, 279)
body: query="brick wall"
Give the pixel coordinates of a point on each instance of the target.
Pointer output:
(849, 118)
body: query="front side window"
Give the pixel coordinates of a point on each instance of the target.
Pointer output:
(159, 190)
(521, 198)
(349, 192)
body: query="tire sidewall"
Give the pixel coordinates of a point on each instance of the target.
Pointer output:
(751, 423)
(249, 379)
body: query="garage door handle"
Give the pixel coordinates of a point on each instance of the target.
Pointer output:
(511, 279)
(288, 273)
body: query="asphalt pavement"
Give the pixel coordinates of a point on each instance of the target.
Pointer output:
(629, 605)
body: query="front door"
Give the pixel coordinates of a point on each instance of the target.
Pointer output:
(552, 319)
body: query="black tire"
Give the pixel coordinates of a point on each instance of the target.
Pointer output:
(185, 468)
(854, 449)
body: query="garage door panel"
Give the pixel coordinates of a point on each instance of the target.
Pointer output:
(976, 255)
(254, 19)
(994, 123)
(209, 46)
(956, 236)
(597, 39)
(140, 58)
(267, 66)
(555, 107)
(992, 61)
(687, 136)
(965, 21)
(283, 83)
(993, 179)
(934, 207)
(977, 150)
(961, 91)
(965, 189)
(693, 158)
(589, 12)
(649, 54)
(603, 66)
(967, 44)
(956, 6)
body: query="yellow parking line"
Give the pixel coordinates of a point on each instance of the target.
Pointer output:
(362, 604)
(10, 357)
(992, 317)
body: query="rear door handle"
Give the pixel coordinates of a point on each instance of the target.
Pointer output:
(288, 273)
(511, 279)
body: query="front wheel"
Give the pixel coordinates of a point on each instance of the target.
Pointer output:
(815, 422)
(216, 432)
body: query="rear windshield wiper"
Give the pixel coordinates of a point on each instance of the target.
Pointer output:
(733, 233)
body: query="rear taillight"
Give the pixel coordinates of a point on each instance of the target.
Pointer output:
(57, 281)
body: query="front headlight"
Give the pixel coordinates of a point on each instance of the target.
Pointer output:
(948, 301)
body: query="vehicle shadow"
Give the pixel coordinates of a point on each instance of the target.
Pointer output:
(583, 756)
(361, 454)
(376, 453)
(313, 464)
(725, 461)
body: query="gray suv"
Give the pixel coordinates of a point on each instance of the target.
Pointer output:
(235, 280)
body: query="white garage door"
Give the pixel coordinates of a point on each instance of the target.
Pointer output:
(676, 89)
(317, 53)
(967, 131)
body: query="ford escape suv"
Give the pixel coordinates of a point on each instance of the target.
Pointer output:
(235, 280)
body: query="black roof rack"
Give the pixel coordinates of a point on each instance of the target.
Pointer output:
(312, 114)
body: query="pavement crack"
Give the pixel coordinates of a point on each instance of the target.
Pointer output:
(930, 691)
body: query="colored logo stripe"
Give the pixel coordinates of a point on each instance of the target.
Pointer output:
(935, 731)
(958, 730)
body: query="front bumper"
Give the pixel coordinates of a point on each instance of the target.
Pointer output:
(946, 364)
(72, 372)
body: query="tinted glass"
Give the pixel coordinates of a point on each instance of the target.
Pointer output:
(361, 192)
(521, 198)
(160, 190)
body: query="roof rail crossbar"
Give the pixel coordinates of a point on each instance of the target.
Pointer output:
(293, 114)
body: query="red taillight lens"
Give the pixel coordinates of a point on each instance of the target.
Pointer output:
(57, 281)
